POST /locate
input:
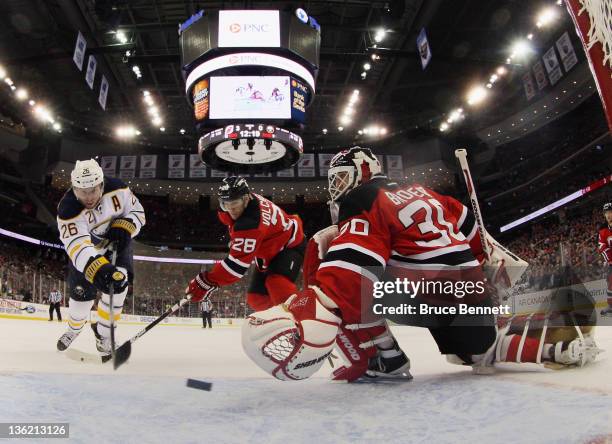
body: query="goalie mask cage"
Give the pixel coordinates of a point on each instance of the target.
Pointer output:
(593, 20)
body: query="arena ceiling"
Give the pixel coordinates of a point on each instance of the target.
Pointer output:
(469, 38)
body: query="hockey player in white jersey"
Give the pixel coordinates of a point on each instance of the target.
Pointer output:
(95, 213)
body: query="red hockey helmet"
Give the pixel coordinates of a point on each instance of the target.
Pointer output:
(350, 168)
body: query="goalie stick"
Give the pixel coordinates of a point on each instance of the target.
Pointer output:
(461, 155)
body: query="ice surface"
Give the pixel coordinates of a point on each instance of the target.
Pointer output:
(147, 400)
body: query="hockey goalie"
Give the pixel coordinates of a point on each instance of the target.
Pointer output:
(382, 225)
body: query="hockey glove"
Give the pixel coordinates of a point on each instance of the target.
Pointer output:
(100, 272)
(121, 232)
(200, 288)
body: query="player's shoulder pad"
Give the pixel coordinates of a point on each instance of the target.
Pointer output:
(250, 218)
(113, 184)
(69, 206)
(363, 197)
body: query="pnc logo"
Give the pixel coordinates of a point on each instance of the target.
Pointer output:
(235, 28)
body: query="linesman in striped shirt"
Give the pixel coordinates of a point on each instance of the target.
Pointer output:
(96, 211)
(55, 300)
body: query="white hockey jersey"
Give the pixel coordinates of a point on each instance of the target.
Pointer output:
(83, 231)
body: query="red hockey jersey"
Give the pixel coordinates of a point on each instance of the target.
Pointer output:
(259, 234)
(412, 229)
(604, 244)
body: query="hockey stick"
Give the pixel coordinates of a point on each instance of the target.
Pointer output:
(461, 155)
(122, 354)
(111, 294)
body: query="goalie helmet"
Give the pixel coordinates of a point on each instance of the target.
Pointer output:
(86, 174)
(349, 169)
(607, 207)
(291, 341)
(233, 187)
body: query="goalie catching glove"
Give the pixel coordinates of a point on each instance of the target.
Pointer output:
(200, 288)
(291, 341)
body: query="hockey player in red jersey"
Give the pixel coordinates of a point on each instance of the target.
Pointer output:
(383, 225)
(604, 246)
(259, 232)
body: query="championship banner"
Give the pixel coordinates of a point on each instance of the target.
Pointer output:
(196, 166)
(306, 166)
(423, 48)
(566, 51)
(324, 161)
(289, 172)
(528, 85)
(127, 167)
(395, 167)
(79, 51)
(148, 166)
(176, 166)
(109, 165)
(103, 93)
(90, 75)
(217, 173)
(552, 65)
(540, 75)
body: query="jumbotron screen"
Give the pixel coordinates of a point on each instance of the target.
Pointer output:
(250, 97)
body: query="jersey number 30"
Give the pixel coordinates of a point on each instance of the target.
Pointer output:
(443, 228)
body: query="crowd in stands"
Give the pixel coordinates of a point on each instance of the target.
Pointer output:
(557, 249)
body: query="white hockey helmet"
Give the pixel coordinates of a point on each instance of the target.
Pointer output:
(86, 174)
(349, 169)
(291, 341)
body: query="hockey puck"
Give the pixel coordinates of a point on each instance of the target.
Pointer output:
(200, 385)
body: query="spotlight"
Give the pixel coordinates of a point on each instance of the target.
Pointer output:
(21, 94)
(476, 95)
(2, 73)
(546, 16)
(520, 48)
(57, 126)
(182, 131)
(364, 75)
(324, 130)
(120, 35)
(340, 128)
(501, 71)
(345, 120)
(162, 129)
(444, 126)
(157, 121)
(380, 35)
(367, 66)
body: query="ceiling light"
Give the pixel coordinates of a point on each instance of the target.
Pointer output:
(345, 120)
(546, 16)
(2, 73)
(21, 94)
(162, 129)
(380, 35)
(340, 128)
(521, 48)
(444, 126)
(182, 131)
(324, 130)
(476, 95)
(364, 75)
(366, 66)
(501, 71)
(120, 35)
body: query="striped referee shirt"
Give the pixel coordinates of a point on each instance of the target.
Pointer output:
(55, 297)
(206, 305)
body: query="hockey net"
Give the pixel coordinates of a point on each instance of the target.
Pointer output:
(593, 20)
